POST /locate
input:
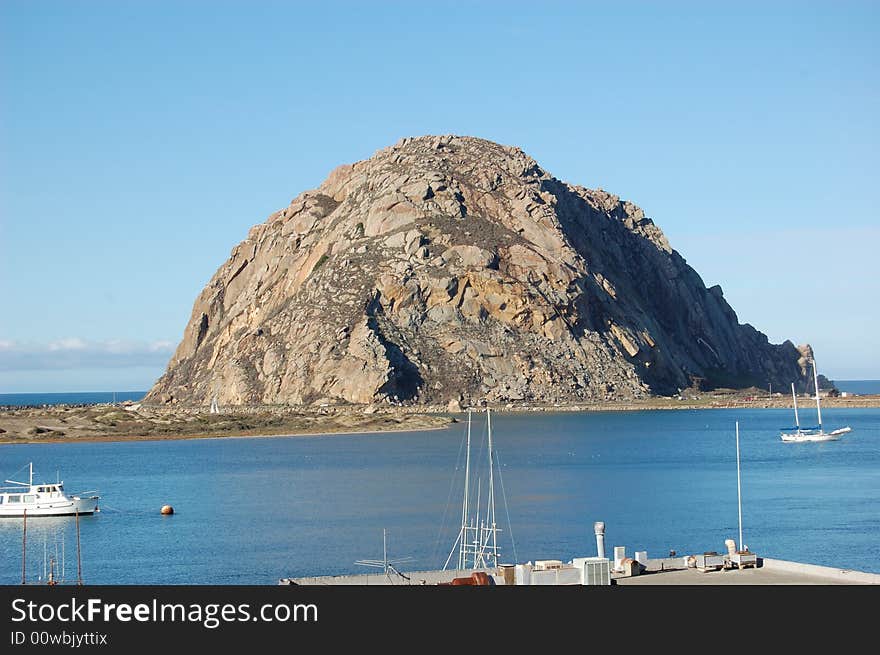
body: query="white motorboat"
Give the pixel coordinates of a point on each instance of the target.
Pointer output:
(816, 433)
(43, 499)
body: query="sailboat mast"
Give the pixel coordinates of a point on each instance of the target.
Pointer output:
(794, 398)
(478, 532)
(491, 512)
(816, 381)
(464, 506)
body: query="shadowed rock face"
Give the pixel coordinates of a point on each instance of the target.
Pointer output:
(453, 268)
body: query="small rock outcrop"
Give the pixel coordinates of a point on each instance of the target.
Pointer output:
(449, 270)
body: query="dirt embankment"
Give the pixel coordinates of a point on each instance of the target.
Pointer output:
(117, 423)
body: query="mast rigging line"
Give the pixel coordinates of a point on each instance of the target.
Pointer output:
(436, 552)
(506, 509)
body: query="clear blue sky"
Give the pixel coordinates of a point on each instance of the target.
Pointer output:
(139, 141)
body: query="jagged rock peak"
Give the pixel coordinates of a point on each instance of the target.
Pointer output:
(450, 269)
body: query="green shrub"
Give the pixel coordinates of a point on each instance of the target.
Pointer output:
(320, 262)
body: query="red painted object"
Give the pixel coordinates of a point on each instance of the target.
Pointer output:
(476, 579)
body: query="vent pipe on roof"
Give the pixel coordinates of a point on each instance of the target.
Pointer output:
(599, 527)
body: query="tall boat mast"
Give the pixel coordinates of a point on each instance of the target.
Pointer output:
(816, 381)
(478, 537)
(491, 504)
(465, 510)
(794, 397)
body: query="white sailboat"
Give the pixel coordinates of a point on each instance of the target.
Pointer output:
(815, 433)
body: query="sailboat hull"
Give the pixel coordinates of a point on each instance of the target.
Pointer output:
(62, 507)
(814, 436)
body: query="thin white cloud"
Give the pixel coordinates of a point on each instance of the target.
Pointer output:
(74, 353)
(162, 346)
(70, 343)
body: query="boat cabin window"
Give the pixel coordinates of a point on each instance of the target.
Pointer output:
(2, 498)
(29, 498)
(15, 498)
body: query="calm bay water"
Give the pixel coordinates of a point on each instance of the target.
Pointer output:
(252, 510)
(68, 398)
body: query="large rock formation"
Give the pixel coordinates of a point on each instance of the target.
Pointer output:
(452, 268)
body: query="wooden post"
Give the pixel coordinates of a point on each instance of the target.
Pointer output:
(24, 548)
(78, 559)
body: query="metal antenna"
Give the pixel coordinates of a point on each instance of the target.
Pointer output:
(387, 565)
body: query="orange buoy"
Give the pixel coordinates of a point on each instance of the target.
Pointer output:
(167, 509)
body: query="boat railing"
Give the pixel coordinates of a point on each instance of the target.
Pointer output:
(22, 487)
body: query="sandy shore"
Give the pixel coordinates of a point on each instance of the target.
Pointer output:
(128, 421)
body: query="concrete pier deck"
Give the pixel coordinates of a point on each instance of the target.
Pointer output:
(666, 571)
(768, 572)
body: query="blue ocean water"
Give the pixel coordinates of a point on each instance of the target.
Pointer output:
(859, 387)
(68, 398)
(253, 510)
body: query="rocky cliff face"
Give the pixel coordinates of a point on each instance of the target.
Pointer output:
(453, 268)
